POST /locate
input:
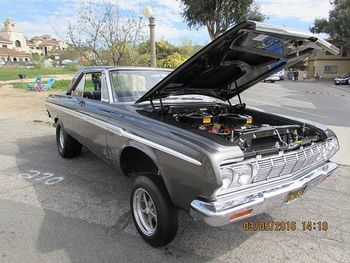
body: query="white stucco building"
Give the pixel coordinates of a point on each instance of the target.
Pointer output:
(15, 47)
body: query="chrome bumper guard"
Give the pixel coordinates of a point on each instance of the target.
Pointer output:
(223, 212)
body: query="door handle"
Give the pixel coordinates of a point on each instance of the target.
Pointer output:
(81, 102)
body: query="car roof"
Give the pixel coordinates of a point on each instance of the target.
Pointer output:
(112, 68)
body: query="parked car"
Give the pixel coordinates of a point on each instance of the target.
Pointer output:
(186, 144)
(342, 80)
(282, 77)
(272, 78)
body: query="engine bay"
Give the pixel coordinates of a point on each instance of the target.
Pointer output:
(254, 132)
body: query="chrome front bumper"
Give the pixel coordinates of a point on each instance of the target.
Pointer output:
(223, 212)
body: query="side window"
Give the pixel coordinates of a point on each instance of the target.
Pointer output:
(92, 86)
(89, 86)
(93, 82)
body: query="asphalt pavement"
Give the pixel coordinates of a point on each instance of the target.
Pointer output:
(56, 210)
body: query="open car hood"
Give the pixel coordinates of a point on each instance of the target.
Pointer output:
(236, 60)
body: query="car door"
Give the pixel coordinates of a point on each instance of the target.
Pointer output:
(89, 123)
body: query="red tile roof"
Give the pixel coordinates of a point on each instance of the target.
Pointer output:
(5, 40)
(49, 42)
(12, 52)
(29, 43)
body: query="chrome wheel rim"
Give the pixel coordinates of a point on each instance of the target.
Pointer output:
(145, 212)
(61, 139)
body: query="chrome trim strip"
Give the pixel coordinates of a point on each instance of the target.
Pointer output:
(109, 86)
(120, 132)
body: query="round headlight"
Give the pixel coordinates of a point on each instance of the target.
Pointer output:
(329, 145)
(247, 172)
(334, 144)
(323, 149)
(227, 177)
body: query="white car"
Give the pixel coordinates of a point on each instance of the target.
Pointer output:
(272, 78)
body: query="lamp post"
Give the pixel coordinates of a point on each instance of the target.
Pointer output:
(147, 12)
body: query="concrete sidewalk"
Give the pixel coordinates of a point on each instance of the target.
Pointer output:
(343, 155)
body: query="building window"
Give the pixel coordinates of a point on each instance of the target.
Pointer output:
(330, 69)
(14, 59)
(344, 52)
(5, 46)
(26, 59)
(17, 43)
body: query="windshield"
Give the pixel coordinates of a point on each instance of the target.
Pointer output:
(130, 85)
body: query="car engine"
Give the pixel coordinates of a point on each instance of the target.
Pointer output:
(234, 124)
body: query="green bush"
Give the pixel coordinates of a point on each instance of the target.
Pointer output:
(72, 67)
(172, 61)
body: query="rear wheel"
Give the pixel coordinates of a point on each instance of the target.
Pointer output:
(154, 215)
(67, 146)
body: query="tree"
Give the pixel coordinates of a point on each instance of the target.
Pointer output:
(338, 23)
(172, 61)
(37, 59)
(102, 36)
(219, 15)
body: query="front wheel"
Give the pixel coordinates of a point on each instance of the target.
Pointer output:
(153, 213)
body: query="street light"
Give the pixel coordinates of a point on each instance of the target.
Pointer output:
(147, 12)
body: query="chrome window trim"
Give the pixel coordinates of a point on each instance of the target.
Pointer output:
(105, 96)
(120, 132)
(109, 86)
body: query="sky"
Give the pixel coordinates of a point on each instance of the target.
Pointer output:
(38, 17)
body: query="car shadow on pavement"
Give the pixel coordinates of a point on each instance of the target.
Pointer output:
(87, 214)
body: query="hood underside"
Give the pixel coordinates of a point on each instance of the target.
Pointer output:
(239, 58)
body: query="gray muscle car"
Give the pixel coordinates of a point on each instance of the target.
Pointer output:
(185, 142)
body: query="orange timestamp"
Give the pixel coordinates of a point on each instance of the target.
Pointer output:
(284, 226)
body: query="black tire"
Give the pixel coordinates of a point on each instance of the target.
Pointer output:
(272, 81)
(70, 147)
(166, 213)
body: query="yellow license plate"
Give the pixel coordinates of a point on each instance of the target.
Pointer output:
(294, 195)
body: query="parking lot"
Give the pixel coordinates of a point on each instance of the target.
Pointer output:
(56, 210)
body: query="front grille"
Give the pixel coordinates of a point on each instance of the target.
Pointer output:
(283, 165)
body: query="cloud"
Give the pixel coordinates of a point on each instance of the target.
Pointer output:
(50, 16)
(169, 22)
(304, 10)
(54, 22)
